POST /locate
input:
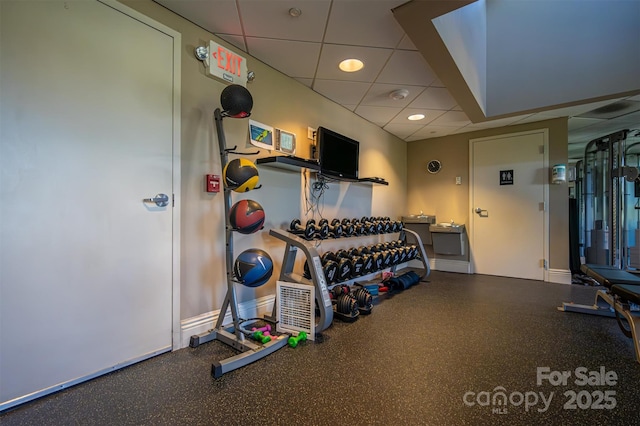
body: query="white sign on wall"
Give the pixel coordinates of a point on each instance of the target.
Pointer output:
(226, 65)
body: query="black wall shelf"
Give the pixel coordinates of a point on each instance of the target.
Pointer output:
(296, 164)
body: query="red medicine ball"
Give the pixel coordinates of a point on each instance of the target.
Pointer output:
(246, 216)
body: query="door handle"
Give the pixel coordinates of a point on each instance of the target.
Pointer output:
(161, 200)
(481, 212)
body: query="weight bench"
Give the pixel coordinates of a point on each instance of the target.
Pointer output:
(622, 288)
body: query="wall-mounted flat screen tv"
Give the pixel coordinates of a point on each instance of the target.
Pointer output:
(337, 155)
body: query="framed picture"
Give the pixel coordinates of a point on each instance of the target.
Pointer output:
(261, 135)
(285, 141)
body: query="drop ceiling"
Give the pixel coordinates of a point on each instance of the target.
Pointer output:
(309, 47)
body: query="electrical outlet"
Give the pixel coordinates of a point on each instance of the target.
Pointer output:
(311, 133)
(458, 180)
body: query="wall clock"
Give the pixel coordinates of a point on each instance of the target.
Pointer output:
(434, 166)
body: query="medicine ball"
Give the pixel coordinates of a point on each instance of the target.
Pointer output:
(253, 267)
(236, 101)
(240, 175)
(246, 216)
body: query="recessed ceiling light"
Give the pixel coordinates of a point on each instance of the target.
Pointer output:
(415, 117)
(351, 65)
(295, 12)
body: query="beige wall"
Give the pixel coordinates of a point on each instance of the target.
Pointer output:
(438, 194)
(281, 102)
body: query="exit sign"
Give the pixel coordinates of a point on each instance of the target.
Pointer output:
(226, 65)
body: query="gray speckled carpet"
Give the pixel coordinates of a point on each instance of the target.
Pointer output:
(440, 353)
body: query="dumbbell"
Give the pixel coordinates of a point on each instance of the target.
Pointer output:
(362, 261)
(340, 289)
(372, 227)
(364, 298)
(345, 267)
(357, 262)
(347, 304)
(307, 232)
(294, 340)
(329, 269)
(386, 258)
(260, 337)
(403, 254)
(336, 229)
(265, 329)
(349, 228)
(322, 230)
(395, 256)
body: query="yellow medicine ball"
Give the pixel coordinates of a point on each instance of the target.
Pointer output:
(240, 175)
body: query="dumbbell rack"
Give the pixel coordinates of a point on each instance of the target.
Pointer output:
(232, 335)
(318, 280)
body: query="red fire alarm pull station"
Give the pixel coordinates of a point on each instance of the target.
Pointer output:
(213, 183)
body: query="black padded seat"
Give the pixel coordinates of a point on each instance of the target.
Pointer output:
(629, 293)
(609, 275)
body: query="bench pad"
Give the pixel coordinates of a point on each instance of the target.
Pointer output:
(630, 293)
(609, 275)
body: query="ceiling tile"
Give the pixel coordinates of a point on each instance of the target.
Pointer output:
(434, 98)
(374, 59)
(356, 22)
(455, 119)
(293, 58)
(219, 17)
(431, 131)
(306, 81)
(407, 44)
(271, 19)
(402, 130)
(578, 123)
(378, 95)
(429, 116)
(377, 115)
(342, 92)
(407, 68)
(234, 40)
(438, 83)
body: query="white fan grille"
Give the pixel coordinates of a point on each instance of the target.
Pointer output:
(295, 308)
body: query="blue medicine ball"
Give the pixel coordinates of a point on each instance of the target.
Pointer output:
(253, 267)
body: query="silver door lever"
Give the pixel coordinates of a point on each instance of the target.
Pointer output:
(161, 200)
(481, 212)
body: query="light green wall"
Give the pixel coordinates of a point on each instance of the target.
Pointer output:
(438, 194)
(284, 103)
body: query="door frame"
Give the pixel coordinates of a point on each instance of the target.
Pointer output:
(472, 214)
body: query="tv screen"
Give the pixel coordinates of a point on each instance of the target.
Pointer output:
(338, 155)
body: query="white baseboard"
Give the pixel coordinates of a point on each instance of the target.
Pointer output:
(202, 323)
(559, 276)
(447, 265)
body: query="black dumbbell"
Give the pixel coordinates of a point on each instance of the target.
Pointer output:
(322, 229)
(308, 232)
(363, 298)
(336, 230)
(340, 289)
(344, 266)
(386, 258)
(395, 256)
(357, 262)
(347, 304)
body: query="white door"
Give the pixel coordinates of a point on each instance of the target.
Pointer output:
(87, 132)
(508, 194)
